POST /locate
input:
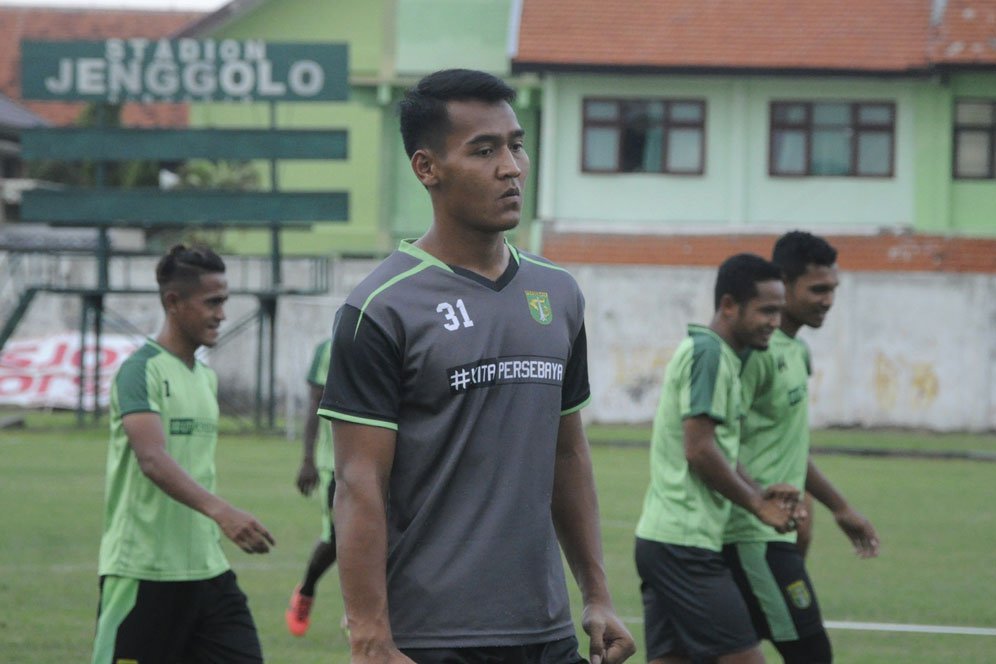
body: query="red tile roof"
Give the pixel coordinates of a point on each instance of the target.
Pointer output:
(967, 34)
(806, 35)
(19, 23)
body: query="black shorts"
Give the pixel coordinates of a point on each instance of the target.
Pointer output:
(175, 621)
(691, 606)
(561, 651)
(773, 580)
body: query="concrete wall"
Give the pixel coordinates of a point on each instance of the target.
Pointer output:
(900, 349)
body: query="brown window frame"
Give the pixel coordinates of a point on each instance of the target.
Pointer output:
(958, 128)
(666, 125)
(854, 125)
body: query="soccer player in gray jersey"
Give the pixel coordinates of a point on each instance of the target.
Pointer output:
(458, 373)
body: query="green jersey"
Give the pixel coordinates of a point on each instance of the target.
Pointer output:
(324, 456)
(774, 445)
(147, 534)
(701, 379)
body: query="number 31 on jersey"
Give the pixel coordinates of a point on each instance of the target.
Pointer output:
(452, 322)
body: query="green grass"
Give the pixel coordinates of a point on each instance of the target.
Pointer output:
(935, 518)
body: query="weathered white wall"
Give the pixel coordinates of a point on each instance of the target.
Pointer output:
(898, 349)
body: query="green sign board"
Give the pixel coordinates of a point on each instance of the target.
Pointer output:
(149, 70)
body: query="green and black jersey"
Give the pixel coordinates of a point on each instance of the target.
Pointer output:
(474, 377)
(702, 378)
(774, 444)
(147, 534)
(317, 375)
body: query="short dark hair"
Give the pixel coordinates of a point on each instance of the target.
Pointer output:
(183, 265)
(424, 120)
(739, 275)
(797, 249)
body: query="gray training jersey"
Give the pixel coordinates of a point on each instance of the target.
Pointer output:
(474, 376)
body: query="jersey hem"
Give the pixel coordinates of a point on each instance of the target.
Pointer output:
(484, 640)
(145, 575)
(336, 415)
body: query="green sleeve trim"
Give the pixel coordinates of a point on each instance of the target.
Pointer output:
(542, 263)
(335, 415)
(703, 376)
(390, 282)
(131, 383)
(574, 409)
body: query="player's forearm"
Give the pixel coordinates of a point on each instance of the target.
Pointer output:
(163, 471)
(575, 517)
(311, 424)
(708, 463)
(361, 551)
(823, 489)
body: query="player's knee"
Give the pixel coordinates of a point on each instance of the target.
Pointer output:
(814, 649)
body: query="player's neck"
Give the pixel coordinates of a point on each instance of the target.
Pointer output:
(483, 253)
(790, 327)
(177, 344)
(725, 332)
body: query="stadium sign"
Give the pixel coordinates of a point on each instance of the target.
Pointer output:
(183, 70)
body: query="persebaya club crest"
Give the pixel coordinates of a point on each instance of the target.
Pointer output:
(539, 307)
(799, 593)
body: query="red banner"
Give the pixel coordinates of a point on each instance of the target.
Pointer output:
(45, 372)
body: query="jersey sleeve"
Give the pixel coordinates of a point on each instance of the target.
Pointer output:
(138, 388)
(364, 377)
(704, 376)
(576, 392)
(318, 372)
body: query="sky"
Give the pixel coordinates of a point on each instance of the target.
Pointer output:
(186, 5)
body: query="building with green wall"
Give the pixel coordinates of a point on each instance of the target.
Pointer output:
(392, 43)
(833, 116)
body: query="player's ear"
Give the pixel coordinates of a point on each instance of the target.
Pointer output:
(170, 300)
(424, 167)
(728, 306)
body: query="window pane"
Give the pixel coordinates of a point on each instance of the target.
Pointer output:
(684, 151)
(789, 113)
(789, 149)
(831, 152)
(686, 112)
(601, 145)
(655, 111)
(972, 154)
(874, 153)
(601, 110)
(634, 147)
(832, 114)
(875, 114)
(974, 113)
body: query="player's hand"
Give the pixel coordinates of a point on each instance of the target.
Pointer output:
(789, 499)
(859, 530)
(307, 477)
(610, 641)
(243, 529)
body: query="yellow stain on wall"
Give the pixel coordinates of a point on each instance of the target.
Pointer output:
(886, 382)
(897, 380)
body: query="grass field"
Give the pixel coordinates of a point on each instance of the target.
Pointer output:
(935, 517)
